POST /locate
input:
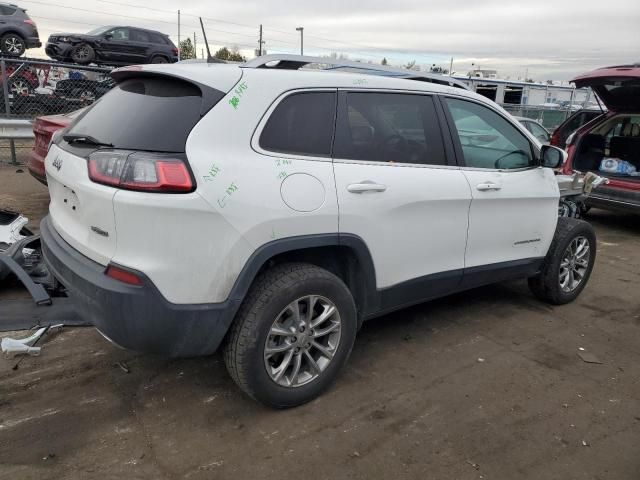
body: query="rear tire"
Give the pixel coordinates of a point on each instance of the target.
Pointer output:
(568, 264)
(159, 59)
(20, 86)
(83, 54)
(282, 359)
(12, 45)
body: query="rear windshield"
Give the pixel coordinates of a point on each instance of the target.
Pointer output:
(154, 114)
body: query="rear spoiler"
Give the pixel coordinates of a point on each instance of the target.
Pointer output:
(210, 96)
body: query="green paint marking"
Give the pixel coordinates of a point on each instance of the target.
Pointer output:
(238, 93)
(213, 172)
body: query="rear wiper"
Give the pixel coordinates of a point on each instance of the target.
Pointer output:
(85, 140)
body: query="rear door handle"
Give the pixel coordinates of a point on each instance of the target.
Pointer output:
(483, 187)
(366, 186)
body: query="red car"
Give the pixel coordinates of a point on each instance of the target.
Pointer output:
(610, 144)
(43, 129)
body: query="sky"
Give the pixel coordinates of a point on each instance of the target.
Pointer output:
(542, 39)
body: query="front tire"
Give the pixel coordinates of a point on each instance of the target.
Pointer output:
(83, 54)
(568, 264)
(292, 335)
(13, 45)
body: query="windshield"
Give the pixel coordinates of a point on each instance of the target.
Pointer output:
(99, 30)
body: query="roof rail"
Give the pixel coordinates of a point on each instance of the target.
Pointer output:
(296, 62)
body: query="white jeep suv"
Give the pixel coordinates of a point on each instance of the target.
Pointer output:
(270, 210)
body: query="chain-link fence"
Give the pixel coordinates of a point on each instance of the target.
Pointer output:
(32, 88)
(547, 116)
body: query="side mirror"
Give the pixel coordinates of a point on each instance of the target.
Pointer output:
(552, 157)
(108, 36)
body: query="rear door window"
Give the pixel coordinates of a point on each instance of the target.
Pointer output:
(6, 10)
(154, 114)
(301, 124)
(389, 127)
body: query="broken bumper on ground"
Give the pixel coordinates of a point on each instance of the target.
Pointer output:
(134, 317)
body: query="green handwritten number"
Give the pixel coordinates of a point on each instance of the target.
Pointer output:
(234, 102)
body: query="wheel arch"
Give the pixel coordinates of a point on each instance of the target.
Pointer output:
(162, 55)
(346, 256)
(13, 31)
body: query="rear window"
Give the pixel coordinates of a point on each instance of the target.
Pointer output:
(153, 114)
(5, 10)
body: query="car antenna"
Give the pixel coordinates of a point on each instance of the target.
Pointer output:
(210, 59)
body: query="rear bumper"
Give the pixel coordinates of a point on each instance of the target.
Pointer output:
(617, 199)
(134, 317)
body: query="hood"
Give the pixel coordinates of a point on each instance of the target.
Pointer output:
(618, 87)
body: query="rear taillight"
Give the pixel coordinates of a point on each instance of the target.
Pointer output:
(122, 275)
(142, 171)
(30, 22)
(175, 51)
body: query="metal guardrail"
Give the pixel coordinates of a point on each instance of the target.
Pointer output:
(16, 129)
(12, 129)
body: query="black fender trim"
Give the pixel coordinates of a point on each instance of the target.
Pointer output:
(277, 247)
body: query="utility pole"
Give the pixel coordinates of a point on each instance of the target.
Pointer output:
(260, 42)
(301, 30)
(195, 50)
(178, 35)
(451, 67)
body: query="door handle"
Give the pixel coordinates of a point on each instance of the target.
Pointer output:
(483, 187)
(366, 186)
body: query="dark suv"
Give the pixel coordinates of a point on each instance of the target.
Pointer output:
(17, 31)
(113, 46)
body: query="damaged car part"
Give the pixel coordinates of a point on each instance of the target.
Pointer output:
(12, 228)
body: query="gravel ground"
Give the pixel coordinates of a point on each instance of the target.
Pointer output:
(486, 384)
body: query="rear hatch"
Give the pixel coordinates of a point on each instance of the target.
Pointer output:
(617, 87)
(145, 119)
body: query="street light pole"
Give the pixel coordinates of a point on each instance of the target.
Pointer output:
(301, 30)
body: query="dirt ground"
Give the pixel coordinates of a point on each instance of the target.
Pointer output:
(485, 384)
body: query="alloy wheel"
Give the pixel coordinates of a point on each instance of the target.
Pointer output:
(302, 341)
(82, 52)
(13, 45)
(19, 87)
(574, 264)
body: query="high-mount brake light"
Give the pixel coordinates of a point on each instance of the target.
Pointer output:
(140, 171)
